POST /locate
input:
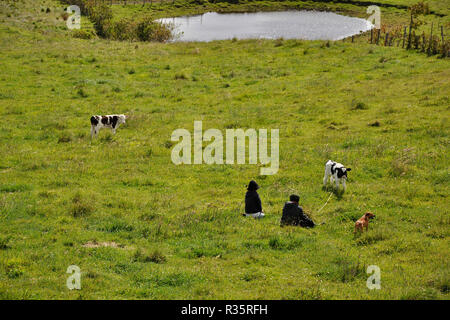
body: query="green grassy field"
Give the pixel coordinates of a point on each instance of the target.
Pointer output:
(140, 227)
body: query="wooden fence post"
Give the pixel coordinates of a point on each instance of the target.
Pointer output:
(378, 36)
(430, 45)
(371, 35)
(409, 35)
(424, 42)
(386, 39)
(404, 36)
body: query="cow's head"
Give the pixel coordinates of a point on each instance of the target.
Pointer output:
(342, 172)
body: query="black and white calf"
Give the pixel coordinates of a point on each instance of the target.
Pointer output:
(336, 172)
(109, 121)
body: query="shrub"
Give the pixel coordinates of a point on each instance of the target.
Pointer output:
(123, 29)
(100, 15)
(419, 8)
(83, 34)
(149, 30)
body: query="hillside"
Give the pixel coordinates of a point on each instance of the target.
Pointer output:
(140, 227)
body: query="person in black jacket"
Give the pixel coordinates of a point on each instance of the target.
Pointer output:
(253, 206)
(293, 214)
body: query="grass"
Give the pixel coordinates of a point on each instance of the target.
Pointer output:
(393, 12)
(177, 230)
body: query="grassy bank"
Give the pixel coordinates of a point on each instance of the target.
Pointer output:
(431, 22)
(140, 227)
(393, 12)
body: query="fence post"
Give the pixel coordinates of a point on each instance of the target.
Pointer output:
(386, 39)
(378, 36)
(404, 36)
(409, 35)
(371, 35)
(431, 40)
(442, 34)
(424, 40)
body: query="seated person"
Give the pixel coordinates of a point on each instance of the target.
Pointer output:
(293, 214)
(252, 201)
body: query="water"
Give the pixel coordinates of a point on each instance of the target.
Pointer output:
(308, 25)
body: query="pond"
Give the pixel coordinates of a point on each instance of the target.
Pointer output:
(307, 25)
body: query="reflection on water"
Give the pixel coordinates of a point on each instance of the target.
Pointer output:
(308, 25)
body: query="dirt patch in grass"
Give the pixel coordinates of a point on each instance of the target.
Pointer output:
(95, 244)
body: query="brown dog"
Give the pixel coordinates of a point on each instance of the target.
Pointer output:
(363, 222)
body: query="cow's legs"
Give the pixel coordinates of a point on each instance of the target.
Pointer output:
(325, 178)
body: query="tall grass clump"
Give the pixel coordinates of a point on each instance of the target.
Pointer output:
(80, 206)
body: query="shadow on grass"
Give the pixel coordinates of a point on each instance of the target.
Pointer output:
(337, 192)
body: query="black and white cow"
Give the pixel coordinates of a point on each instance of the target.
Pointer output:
(336, 172)
(109, 121)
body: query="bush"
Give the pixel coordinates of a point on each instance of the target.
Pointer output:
(83, 34)
(420, 8)
(123, 29)
(100, 15)
(149, 30)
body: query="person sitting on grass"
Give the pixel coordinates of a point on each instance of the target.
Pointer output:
(293, 214)
(253, 206)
